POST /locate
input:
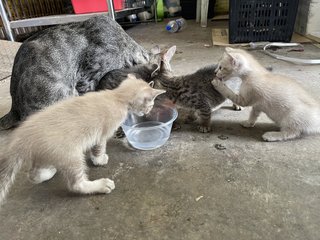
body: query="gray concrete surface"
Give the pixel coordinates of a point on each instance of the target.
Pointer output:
(187, 189)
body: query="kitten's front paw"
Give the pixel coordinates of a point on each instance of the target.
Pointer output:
(236, 107)
(247, 124)
(107, 185)
(216, 82)
(101, 160)
(204, 129)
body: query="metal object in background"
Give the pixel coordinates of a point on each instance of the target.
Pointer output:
(139, 4)
(25, 16)
(289, 59)
(16, 10)
(6, 22)
(111, 9)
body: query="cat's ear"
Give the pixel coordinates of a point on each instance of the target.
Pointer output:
(157, 92)
(231, 59)
(151, 84)
(132, 76)
(167, 56)
(155, 50)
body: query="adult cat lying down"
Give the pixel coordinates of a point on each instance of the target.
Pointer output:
(59, 138)
(69, 60)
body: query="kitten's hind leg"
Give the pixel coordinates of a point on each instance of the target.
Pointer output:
(204, 112)
(98, 154)
(39, 175)
(283, 135)
(254, 114)
(204, 126)
(78, 181)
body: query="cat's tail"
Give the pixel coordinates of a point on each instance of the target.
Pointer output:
(9, 167)
(8, 121)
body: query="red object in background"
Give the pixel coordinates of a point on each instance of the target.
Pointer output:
(89, 6)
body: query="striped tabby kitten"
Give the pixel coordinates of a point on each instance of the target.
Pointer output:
(193, 91)
(59, 137)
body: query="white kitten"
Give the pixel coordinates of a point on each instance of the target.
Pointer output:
(59, 137)
(282, 99)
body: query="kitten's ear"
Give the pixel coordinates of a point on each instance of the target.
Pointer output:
(155, 50)
(231, 59)
(157, 92)
(167, 56)
(132, 76)
(151, 84)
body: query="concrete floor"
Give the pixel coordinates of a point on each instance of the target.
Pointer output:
(187, 189)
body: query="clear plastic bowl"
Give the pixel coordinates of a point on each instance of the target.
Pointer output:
(152, 130)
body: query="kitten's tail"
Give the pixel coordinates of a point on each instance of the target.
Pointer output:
(9, 167)
(8, 121)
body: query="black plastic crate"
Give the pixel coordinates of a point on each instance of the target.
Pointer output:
(261, 20)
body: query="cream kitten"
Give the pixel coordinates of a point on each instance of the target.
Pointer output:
(282, 99)
(60, 137)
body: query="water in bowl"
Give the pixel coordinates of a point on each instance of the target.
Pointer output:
(150, 138)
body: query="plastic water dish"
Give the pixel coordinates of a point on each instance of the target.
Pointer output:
(152, 130)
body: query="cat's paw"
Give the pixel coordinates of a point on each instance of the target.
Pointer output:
(204, 129)
(39, 175)
(281, 136)
(247, 124)
(271, 137)
(216, 82)
(236, 107)
(107, 185)
(101, 160)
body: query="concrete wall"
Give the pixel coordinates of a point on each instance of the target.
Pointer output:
(308, 17)
(313, 26)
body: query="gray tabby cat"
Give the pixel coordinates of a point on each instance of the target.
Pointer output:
(193, 91)
(59, 138)
(68, 60)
